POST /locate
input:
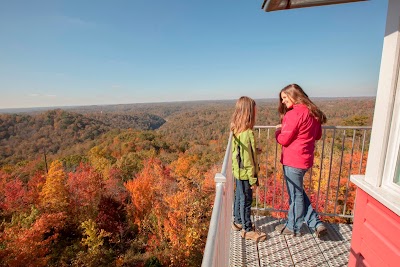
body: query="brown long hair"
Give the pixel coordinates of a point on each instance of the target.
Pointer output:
(298, 96)
(244, 116)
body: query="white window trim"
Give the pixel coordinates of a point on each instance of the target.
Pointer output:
(393, 151)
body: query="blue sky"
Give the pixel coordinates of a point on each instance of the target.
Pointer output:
(63, 53)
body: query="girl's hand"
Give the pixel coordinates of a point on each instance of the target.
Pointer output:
(278, 126)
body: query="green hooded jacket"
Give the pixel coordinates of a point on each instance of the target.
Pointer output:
(244, 157)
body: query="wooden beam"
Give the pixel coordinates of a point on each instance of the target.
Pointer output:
(274, 5)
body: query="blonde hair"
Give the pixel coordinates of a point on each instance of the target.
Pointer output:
(298, 96)
(244, 116)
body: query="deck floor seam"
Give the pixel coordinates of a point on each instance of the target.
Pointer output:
(290, 253)
(318, 245)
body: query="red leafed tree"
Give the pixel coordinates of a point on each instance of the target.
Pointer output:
(114, 186)
(29, 245)
(34, 188)
(272, 191)
(329, 188)
(14, 194)
(85, 187)
(112, 218)
(4, 178)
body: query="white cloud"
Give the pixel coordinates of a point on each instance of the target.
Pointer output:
(42, 95)
(74, 21)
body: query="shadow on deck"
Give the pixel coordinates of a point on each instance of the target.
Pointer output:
(278, 250)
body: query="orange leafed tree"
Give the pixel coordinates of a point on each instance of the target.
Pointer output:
(54, 195)
(188, 214)
(184, 225)
(147, 190)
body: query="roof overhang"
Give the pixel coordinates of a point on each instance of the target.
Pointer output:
(273, 5)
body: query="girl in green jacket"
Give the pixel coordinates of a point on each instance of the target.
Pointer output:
(245, 166)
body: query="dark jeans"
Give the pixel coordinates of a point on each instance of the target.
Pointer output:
(242, 204)
(300, 209)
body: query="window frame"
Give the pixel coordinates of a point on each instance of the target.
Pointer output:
(392, 159)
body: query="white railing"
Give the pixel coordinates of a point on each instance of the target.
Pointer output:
(216, 252)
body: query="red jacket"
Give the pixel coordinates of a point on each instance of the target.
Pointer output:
(297, 136)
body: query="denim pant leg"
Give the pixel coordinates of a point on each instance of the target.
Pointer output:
(236, 205)
(310, 215)
(245, 194)
(294, 183)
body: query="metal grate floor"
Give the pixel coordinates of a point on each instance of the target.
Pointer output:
(309, 251)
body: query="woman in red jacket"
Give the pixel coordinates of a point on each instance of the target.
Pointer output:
(300, 128)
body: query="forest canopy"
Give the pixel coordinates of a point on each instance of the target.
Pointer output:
(122, 185)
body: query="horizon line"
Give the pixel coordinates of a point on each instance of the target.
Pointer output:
(162, 102)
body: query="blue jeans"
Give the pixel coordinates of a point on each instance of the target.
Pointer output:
(300, 209)
(242, 204)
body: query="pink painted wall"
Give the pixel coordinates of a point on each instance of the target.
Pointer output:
(376, 234)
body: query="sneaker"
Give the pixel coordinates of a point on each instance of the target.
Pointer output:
(238, 226)
(321, 230)
(257, 236)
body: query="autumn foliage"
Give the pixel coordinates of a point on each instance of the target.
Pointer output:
(118, 205)
(86, 190)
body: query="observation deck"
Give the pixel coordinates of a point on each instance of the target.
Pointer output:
(341, 152)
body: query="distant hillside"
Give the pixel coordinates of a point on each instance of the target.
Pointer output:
(210, 121)
(140, 121)
(25, 136)
(183, 124)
